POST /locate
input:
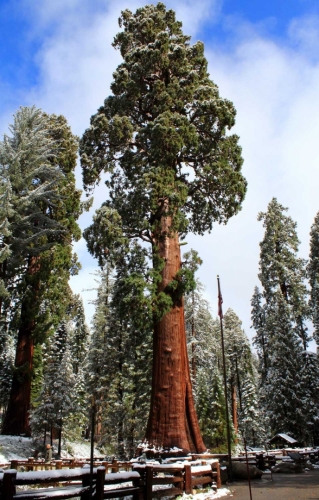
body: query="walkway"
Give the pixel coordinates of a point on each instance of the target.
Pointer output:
(282, 487)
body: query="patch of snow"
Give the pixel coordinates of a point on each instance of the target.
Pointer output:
(21, 448)
(210, 495)
(145, 447)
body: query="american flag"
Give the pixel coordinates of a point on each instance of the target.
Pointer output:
(220, 302)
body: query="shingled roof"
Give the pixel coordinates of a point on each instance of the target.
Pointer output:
(285, 437)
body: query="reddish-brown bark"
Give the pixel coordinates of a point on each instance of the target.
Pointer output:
(17, 416)
(172, 421)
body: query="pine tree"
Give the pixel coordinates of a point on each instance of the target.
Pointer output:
(57, 399)
(261, 340)
(165, 116)
(313, 275)
(282, 391)
(38, 160)
(6, 371)
(79, 332)
(119, 352)
(280, 268)
(204, 353)
(242, 381)
(280, 321)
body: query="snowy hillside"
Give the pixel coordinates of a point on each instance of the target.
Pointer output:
(18, 448)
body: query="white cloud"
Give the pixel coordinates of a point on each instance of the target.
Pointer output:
(276, 92)
(274, 85)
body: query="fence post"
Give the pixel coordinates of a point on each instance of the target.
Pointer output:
(8, 486)
(215, 466)
(14, 464)
(139, 494)
(86, 482)
(58, 464)
(29, 467)
(148, 482)
(100, 477)
(115, 466)
(188, 479)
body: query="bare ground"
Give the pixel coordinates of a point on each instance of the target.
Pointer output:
(281, 487)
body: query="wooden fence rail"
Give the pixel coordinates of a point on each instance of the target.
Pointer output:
(71, 488)
(32, 464)
(142, 483)
(179, 478)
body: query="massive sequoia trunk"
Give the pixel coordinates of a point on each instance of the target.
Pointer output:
(16, 421)
(172, 421)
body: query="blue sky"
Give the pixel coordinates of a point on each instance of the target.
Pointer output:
(263, 55)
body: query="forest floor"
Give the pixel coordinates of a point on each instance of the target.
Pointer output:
(281, 487)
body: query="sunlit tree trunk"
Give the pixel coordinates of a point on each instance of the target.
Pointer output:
(173, 421)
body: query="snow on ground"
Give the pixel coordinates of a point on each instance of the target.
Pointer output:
(15, 448)
(210, 495)
(19, 448)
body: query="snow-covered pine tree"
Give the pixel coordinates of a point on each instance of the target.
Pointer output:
(313, 276)
(57, 400)
(95, 373)
(79, 332)
(281, 268)
(280, 322)
(38, 160)
(119, 360)
(261, 339)
(203, 344)
(282, 391)
(6, 371)
(5, 232)
(129, 349)
(242, 380)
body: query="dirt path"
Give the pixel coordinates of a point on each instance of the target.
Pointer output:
(281, 487)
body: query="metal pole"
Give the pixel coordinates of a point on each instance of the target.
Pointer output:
(248, 472)
(230, 470)
(92, 445)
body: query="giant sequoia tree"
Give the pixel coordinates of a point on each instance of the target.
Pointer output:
(172, 168)
(37, 161)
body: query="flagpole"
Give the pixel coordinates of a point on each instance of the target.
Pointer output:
(220, 314)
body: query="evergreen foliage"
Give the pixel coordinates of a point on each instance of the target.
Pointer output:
(57, 399)
(119, 363)
(313, 275)
(289, 374)
(204, 355)
(39, 213)
(242, 381)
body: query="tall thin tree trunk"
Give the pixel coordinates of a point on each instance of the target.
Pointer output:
(16, 421)
(234, 406)
(172, 421)
(193, 341)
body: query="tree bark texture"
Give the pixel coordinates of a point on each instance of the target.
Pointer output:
(172, 421)
(16, 420)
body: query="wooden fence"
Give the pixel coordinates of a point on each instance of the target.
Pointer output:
(146, 482)
(69, 483)
(32, 464)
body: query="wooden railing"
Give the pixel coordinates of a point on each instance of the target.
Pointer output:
(144, 482)
(178, 478)
(32, 464)
(66, 484)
